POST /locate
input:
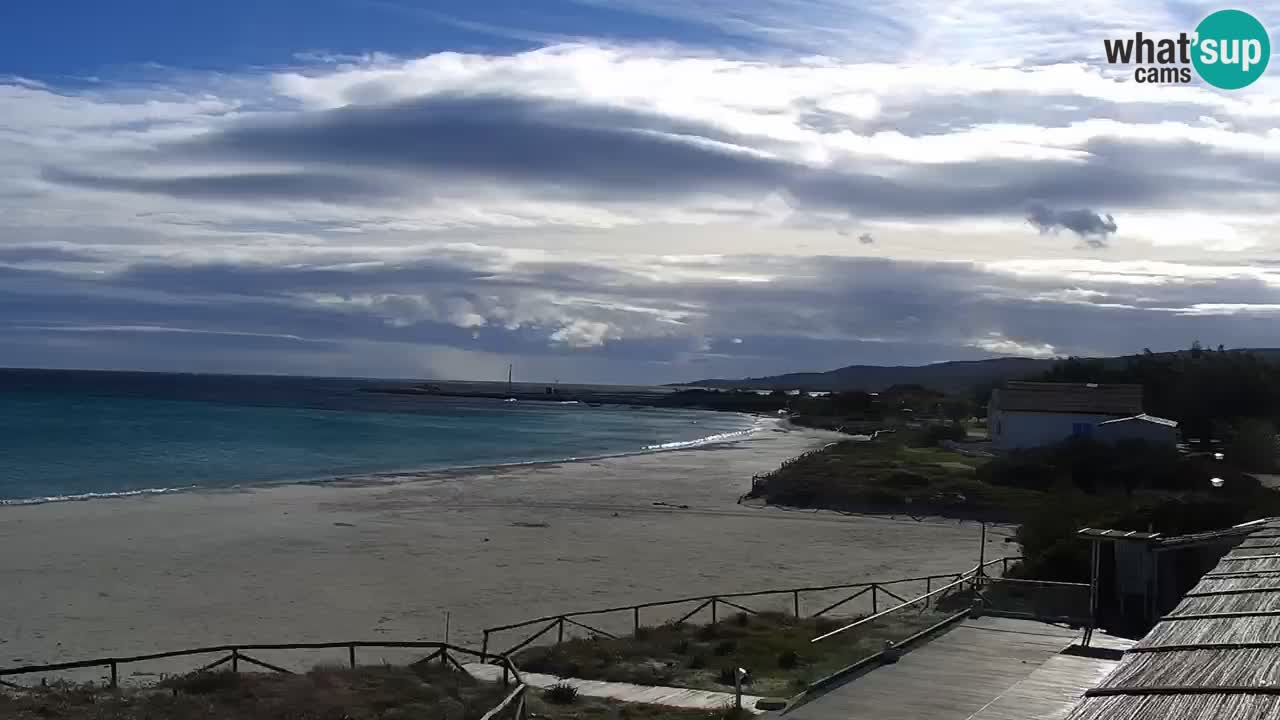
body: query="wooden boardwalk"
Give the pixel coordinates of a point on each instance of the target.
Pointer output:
(981, 669)
(624, 692)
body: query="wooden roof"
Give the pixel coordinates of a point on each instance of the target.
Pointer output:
(1079, 398)
(1216, 655)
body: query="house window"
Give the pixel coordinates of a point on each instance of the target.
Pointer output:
(1081, 429)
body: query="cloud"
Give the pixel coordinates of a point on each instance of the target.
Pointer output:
(996, 343)
(648, 325)
(308, 186)
(547, 150)
(619, 211)
(1089, 225)
(27, 254)
(582, 334)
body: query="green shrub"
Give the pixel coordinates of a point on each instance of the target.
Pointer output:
(789, 660)
(725, 647)
(562, 694)
(935, 435)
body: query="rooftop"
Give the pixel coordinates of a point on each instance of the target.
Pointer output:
(1082, 398)
(1216, 655)
(1142, 417)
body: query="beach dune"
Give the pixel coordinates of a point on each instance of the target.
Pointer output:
(387, 557)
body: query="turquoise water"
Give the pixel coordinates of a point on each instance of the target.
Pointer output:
(66, 435)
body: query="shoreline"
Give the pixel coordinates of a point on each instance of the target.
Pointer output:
(386, 560)
(410, 474)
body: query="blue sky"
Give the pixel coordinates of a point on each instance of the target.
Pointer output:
(57, 40)
(619, 190)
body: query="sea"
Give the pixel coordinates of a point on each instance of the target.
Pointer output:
(74, 435)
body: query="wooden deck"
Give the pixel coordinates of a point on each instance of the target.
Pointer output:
(981, 669)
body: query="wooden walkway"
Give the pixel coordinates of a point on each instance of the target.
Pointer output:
(981, 669)
(625, 692)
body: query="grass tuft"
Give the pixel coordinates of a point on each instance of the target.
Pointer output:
(562, 694)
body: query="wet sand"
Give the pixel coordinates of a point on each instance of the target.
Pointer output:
(385, 558)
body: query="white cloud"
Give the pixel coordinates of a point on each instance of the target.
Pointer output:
(997, 343)
(582, 334)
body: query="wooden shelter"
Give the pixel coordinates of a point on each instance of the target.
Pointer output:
(1138, 577)
(1215, 655)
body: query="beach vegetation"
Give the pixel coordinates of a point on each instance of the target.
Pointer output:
(774, 647)
(562, 694)
(1050, 492)
(366, 693)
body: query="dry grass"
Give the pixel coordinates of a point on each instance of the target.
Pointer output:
(371, 693)
(775, 648)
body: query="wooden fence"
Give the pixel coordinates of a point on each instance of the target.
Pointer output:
(878, 592)
(234, 655)
(1041, 600)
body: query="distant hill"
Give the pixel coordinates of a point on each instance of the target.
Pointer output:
(957, 376)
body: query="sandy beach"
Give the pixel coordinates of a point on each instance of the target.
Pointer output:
(385, 558)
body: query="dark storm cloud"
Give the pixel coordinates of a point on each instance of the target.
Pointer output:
(569, 150)
(499, 137)
(23, 254)
(837, 309)
(265, 280)
(827, 302)
(1091, 226)
(323, 187)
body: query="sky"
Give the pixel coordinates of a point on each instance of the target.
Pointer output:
(620, 191)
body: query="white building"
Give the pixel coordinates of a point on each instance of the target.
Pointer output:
(1030, 414)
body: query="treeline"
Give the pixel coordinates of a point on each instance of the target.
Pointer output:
(898, 401)
(1207, 391)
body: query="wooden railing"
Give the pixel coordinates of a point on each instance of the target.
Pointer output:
(878, 591)
(1028, 601)
(975, 578)
(236, 654)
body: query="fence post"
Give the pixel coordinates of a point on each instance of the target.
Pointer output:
(484, 648)
(713, 611)
(351, 655)
(115, 676)
(235, 660)
(1004, 566)
(561, 638)
(637, 619)
(795, 599)
(875, 607)
(928, 588)
(506, 681)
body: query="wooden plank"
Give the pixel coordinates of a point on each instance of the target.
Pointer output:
(1050, 691)
(950, 677)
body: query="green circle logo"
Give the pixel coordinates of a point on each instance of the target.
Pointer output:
(1232, 49)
